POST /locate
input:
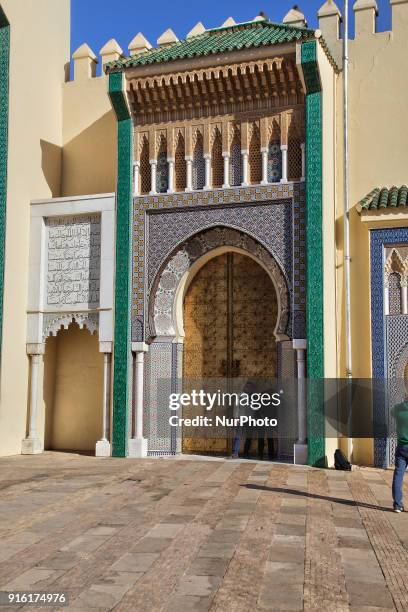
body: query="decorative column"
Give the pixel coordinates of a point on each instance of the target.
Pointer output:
(103, 448)
(284, 149)
(153, 165)
(300, 447)
(170, 161)
(138, 444)
(207, 159)
(302, 147)
(244, 154)
(136, 178)
(264, 153)
(226, 157)
(404, 295)
(189, 173)
(33, 444)
(386, 296)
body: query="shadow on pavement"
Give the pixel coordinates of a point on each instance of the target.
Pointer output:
(336, 500)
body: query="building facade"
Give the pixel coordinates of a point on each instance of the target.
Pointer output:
(184, 222)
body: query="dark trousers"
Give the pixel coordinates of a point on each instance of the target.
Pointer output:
(261, 447)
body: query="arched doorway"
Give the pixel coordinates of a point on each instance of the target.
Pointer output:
(230, 314)
(73, 388)
(164, 363)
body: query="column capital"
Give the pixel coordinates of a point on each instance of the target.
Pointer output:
(284, 147)
(170, 160)
(299, 344)
(136, 163)
(139, 347)
(244, 152)
(35, 348)
(226, 154)
(189, 158)
(105, 347)
(153, 162)
(207, 155)
(264, 150)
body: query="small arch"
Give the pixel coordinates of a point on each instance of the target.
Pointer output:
(180, 172)
(145, 168)
(294, 152)
(236, 159)
(216, 159)
(162, 173)
(198, 162)
(394, 288)
(254, 157)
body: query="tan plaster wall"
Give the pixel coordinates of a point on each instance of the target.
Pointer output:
(39, 52)
(378, 132)
(89, 138)
(74, 419)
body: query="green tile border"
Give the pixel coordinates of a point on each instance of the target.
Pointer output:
(4, 128)
(122, 344)
(314, 256)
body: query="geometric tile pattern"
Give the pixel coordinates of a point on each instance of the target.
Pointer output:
(265, 212)
(4, 114)
(274, 162)
(123, 241)
(383, 353)
(314, 252)
(394, 289)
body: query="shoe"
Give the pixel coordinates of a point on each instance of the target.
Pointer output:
(398, 508)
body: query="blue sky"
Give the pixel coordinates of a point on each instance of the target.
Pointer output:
(96, 21)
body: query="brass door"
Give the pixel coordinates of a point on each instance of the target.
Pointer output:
(230, 312)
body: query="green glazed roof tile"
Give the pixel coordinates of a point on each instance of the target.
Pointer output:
(218, 40)
(384, 197)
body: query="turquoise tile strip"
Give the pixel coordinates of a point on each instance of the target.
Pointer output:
(314, 256)
(122, 344)
(4, 119)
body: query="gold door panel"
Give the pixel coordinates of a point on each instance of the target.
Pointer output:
(230, 312)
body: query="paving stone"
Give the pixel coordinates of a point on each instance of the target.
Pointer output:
(165, 530)
(374, 595)
(62, 560)
(135, 562)
(351, 532)
(290, 530)
(208, 566)
(30, 579)
(199, 586)
(217, 550)
(188, 603)
(286, 554)
(152, 545)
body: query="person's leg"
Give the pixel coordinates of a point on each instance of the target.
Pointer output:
(271, 449)
(235, 445)
(247, 447)
(400, 467)
(261, 446)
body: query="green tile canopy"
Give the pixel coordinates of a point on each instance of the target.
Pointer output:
(384, 197)
(218, 40)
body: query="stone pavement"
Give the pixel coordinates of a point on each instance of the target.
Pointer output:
(186, 534)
